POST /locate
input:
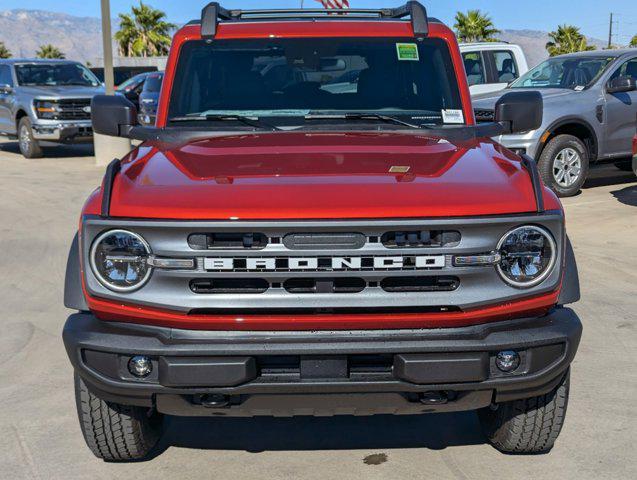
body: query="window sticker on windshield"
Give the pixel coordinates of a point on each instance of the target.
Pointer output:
(579, 88)
(452, 116)
(407, 51)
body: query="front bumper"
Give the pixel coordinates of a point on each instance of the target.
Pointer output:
(67, 132)
(322, 373)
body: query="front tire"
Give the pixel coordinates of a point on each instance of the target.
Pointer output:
(563, 165)
(115, 432)
(29, 146)
(530, 425)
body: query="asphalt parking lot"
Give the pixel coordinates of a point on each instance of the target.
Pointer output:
(39, 205)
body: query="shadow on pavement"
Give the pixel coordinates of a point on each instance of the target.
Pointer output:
(608, 174)
(434, 431)
(56, 151)
(627, 195)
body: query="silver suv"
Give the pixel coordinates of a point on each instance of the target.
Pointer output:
(590, 110)
(46, 100)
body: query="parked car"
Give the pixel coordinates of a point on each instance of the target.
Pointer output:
(590, 105)
(149, 98)
(122, 74)
(491, 66)
(46, 101)
(132, 88)
(273, 248)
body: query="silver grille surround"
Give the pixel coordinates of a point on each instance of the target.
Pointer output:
(170, 289)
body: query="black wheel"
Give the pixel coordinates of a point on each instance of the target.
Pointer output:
(29, 146)
(530, 425)
(563, 165)
(115, 432)
(625, 166)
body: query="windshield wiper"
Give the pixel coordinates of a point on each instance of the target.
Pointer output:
(252, 122)
(363, 116)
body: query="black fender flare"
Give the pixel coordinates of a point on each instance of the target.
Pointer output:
(73, 294)
(566, 121)
(570, 292)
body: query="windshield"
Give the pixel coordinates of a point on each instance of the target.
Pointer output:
(153, 83)
(304, 77)
(131, 82)
(566, 72)
(55, 74)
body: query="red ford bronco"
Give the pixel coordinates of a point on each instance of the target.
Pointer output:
(316, 226)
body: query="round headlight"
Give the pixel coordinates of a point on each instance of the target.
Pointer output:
(528, 255)
(119, 260)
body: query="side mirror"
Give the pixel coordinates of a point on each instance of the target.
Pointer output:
(519, 112)
(6, 88)
(621, 84)
(113, 115)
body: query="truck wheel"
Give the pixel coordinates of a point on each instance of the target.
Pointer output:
(29, 146)
(115, 432)
(530, 425)
(625, 166)
(563, 165)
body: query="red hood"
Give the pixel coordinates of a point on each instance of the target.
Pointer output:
(321, 175)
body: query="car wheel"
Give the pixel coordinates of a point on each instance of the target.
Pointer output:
(529, 425)
(563, 165)
(625, 166)
(115, 432)
(29, 146)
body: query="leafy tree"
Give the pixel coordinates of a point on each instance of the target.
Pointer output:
(4, 51)
(567, 39)
(474, 26)
(144, 33)
(633, 41)
(49, 51)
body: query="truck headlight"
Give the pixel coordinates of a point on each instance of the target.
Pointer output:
(119, 260)
(45, 109)
(528, 255)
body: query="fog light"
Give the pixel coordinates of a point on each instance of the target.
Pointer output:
(507, 360)
(140, 366)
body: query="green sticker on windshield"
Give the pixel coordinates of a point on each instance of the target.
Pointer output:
(407, 51)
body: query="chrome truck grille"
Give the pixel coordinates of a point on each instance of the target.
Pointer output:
(295, 266)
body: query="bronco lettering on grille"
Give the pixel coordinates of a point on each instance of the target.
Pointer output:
(395, 262)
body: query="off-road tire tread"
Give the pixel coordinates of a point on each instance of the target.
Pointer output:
(112, 431)
(529, 425)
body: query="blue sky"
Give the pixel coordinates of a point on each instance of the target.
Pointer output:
(590, 15)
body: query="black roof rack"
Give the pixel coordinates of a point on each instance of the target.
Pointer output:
(213, 13)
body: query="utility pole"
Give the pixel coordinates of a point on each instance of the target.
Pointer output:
(107, 45)
(108, 148)
(610, 32)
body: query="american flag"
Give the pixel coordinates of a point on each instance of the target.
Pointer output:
(338, 4)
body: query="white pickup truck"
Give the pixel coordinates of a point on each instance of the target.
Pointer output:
(491, 66)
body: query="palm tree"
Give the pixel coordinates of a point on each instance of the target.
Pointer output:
(143, 33)
(567, 39)
(474, 26)
(633, 41)
(49, 51)
(4, 51)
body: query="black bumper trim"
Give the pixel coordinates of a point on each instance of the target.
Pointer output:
(548, 345)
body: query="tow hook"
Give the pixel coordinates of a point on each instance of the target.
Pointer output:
(434, 398)
(215, 401)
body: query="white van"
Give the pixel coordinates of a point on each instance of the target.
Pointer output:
(491, 66)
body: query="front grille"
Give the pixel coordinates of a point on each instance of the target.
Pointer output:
(73, 109)
(268, 267)
(421, 238)
(420, 284)
(227, 241)
(484, 115)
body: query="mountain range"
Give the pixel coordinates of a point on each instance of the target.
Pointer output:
(23, 31)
